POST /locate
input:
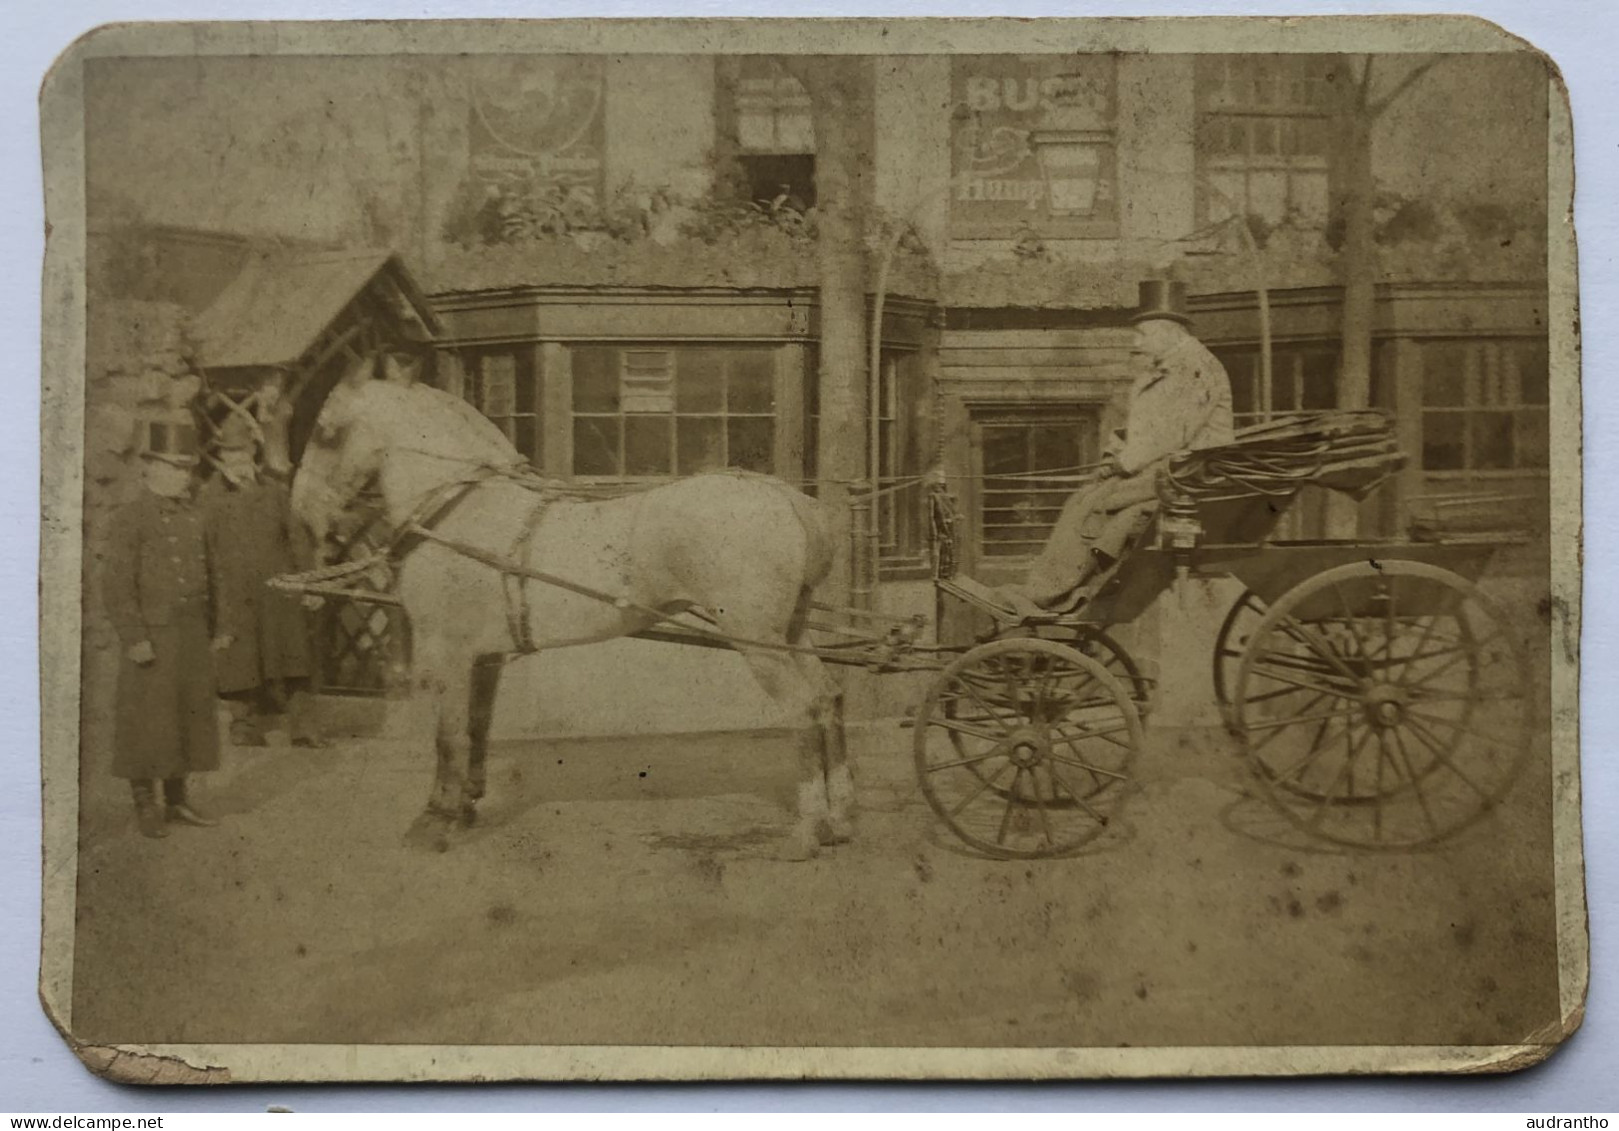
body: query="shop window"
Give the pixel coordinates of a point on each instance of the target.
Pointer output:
(1484, 406)
(1263, 136)
(1304, 379)
(501, 384)
(1014, 448)
(647, 412)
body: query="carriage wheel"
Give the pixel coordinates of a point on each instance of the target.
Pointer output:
(1383, 705)
(1235, 633)
(1024, 746)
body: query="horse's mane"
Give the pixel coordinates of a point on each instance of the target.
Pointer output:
(434, 416)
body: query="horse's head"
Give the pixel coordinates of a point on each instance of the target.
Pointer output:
(344, 455)
(408, 440)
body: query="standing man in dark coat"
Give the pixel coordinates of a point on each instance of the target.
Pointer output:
(266, 670)
(160, 591)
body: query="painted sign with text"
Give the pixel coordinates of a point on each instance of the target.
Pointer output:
(537, 126)
(1032, 146)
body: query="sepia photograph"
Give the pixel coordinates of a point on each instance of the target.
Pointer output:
(828, 548)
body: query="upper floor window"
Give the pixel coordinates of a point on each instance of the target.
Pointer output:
(1263, 136)
(656, 411)
(766, 113)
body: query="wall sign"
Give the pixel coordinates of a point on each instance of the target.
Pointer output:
(537, 125)
(1032, 145)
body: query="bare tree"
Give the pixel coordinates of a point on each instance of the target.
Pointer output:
(840, 89)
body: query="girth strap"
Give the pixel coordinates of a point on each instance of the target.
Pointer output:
(515, 585)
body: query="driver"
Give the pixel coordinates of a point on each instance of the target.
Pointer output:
(1180, 401)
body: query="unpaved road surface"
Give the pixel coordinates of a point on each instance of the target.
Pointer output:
(627, 891)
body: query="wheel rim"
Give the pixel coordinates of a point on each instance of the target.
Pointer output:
(1024, 747)
(1231, 643)
(1383, 705)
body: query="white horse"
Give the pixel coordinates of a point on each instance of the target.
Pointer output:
(743, 550)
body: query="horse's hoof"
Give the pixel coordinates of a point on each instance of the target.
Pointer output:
(799, 846)
(428, 832)
(833, 831)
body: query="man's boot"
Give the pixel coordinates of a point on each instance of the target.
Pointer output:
(179, 808)
(148, 814)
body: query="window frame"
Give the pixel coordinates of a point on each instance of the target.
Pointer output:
(1482, 356)
(1288, 71)
(767, 353)
(1089, 415)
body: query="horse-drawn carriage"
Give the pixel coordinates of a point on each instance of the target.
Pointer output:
(1380, 699)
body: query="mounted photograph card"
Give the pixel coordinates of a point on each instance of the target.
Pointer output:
(739, 549)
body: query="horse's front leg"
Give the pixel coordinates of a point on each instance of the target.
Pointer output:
(449, 691)
(481, 716)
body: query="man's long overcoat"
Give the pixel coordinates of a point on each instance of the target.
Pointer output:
(158, 582)
(253, 536)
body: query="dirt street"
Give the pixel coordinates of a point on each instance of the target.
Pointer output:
(627, 891)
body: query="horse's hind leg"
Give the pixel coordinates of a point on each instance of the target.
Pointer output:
(826, 713)
(783, 679)
(480, 715)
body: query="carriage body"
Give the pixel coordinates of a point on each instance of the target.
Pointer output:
(1378, 696)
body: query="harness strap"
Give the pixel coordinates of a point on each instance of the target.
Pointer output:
(517, 607)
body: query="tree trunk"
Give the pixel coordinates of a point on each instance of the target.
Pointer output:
(839, 90)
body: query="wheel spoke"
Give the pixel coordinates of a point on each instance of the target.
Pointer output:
(1303, 763)
(1312, 640)
(1338, 690)
(1088, 768)
(958, 763)
(1416, 785)
(1040, 807)
(987, 709)
(963, 726)
(1349, 764)
(1349, 620)
(1493, 740)
(985, 783)
(1273, 724)
(1431, 741)
(1078, 800)
(1377, 784)
(1073, 739)
(1011, 800)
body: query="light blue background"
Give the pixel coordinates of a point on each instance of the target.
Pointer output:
(38, 1074)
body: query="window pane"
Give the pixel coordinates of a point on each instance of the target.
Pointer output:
(1226, 197)
(1531, 438)
(646, 445)
(752, 383)
(1444, 374)
(1005, 451)
(1283, 384)
(1532, 372)
(1055, 446)
(595, 445)
(522, 436)
(497, 394)
(795, 131)
(1492, 440)
(1267, 195)
(1442, 441)
(595, 379)
(1310, 137)
(1320, 381)
(700, 384)
(1309, 197)
(700, 444)
(750, 441)
(1263, 132)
